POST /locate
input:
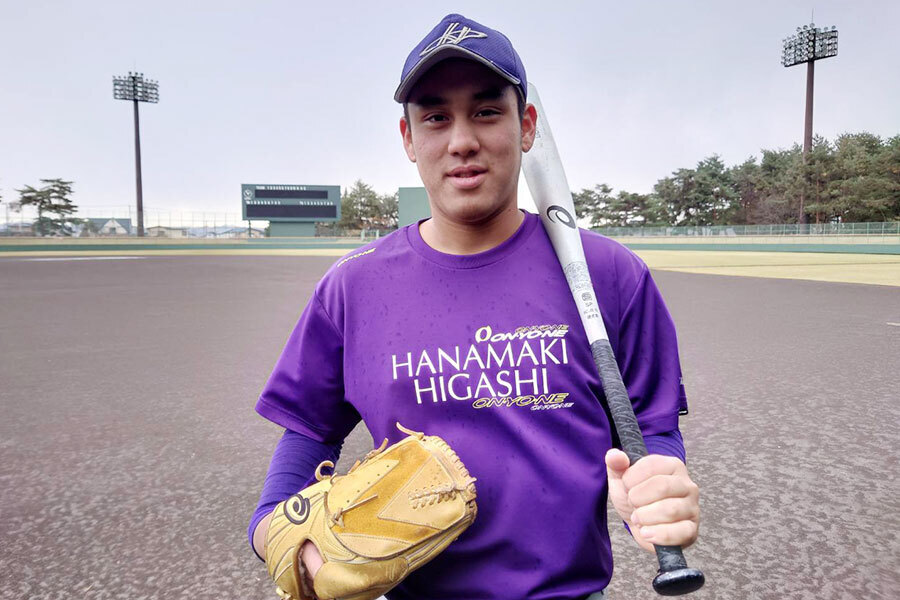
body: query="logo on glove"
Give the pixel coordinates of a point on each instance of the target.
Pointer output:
(296, 509)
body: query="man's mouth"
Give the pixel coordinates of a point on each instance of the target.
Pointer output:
(467, 177)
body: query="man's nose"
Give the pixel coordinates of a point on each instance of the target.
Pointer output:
(463, 140)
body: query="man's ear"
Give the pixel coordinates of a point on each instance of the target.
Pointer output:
(529, 123)
(406, 134)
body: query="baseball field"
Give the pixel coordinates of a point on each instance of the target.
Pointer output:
(131, 457)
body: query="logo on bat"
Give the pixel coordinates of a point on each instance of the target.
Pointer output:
(558, 214)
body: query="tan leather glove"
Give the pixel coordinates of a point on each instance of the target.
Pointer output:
(390, 514)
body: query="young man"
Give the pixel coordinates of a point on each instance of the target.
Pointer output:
(462, 326)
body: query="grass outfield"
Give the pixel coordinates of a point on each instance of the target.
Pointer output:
(871, 269)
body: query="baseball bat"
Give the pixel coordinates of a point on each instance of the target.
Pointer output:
(547, 181)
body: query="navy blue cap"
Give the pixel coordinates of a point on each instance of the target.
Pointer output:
(457, 36)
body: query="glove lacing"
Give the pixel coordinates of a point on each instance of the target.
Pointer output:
(337, 518)
(436, 494)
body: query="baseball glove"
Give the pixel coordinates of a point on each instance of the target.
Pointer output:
(390, 514)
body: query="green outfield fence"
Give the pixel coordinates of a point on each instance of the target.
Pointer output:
(119, 221)
(857, 238)
(112, 229)
(858, 229)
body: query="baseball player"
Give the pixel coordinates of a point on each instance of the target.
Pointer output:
(462, 325)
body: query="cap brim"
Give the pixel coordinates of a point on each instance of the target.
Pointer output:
(442, 53)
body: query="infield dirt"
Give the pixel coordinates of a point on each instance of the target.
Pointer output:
(131, 457)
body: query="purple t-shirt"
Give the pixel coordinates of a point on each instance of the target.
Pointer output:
(487, 351)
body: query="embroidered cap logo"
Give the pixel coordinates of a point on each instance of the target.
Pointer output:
(454, 34)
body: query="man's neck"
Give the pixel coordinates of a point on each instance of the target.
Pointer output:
(451, 237)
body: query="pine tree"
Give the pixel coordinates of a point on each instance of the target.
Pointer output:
(51, 199)
(593, 205)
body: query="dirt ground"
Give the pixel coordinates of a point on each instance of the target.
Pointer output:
(131, 457)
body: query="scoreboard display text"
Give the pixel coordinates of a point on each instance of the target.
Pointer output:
(298, 203)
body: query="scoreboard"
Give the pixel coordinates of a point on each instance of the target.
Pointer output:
(291, 203)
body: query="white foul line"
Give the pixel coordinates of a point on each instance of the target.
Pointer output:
(60, 258)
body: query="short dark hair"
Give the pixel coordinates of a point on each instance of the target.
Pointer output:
(520, 105)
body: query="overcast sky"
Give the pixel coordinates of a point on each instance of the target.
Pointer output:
(301, 92)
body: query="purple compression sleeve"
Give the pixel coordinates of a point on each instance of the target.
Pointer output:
(292, 468)
(669, 443)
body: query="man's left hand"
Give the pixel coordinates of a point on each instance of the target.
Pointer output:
(656, 498)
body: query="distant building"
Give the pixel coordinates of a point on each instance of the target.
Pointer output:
(105, 226)
(24, 229)
(239, 233)
(167, 232)
(412, 205)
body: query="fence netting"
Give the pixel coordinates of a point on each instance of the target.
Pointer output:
(121, 221)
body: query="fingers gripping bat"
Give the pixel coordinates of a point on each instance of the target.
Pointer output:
(547, 181)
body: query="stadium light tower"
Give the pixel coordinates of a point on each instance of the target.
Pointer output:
(137, 89)
(808, 45)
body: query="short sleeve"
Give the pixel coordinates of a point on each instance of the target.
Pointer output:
(305, 392)
(648, 358)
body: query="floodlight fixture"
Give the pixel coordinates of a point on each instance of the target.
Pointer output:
(134, 88)
(807, 45)
(810, 43)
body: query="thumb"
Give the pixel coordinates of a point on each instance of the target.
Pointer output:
(616, 464)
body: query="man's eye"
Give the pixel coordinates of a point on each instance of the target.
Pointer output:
(435, 118)
(488, 112)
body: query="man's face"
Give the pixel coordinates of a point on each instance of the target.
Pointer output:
(466, 138)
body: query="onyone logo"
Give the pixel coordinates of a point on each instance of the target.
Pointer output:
(454, 34)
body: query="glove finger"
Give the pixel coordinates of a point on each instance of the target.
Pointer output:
(365, 581)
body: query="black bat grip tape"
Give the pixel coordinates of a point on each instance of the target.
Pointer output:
(674, 577)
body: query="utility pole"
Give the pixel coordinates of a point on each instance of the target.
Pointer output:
(135, 88)
(808, 45)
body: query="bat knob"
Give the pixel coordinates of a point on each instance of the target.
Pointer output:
(678, 582)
